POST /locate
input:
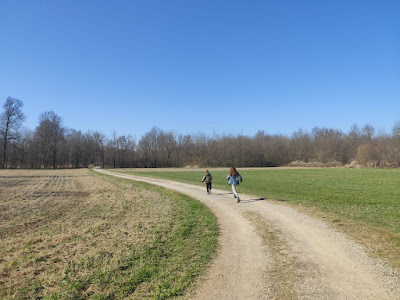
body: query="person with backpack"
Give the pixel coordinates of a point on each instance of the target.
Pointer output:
(233, 179)
(207, 178)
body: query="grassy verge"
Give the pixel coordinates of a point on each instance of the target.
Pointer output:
(73, 234)
(362, 202)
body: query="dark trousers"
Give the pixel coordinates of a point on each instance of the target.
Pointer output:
(208, 185)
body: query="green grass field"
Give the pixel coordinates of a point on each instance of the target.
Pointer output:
(365, 202)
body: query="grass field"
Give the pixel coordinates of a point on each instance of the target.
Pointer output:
(364, 203)
(76, 234)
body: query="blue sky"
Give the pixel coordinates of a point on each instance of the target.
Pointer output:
(230, 67)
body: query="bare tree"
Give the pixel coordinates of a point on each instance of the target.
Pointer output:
(396, 131)
(49, 134)
(352, 140)
(301, 146)
(167, 146)
(185, 149)
(328, 144)
(51, 145)
(149, 146)
(10, 122)
(100, 141)
(125, 147)
(113, 144)
(259, 146)
(395, 149)
(368, 132)
(75, 142)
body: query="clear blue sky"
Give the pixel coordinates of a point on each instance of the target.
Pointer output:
(203, 66)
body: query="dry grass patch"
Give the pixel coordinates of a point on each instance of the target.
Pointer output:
(74, 234)
(282, 274)
(288, 276)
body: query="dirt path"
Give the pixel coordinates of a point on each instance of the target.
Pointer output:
(271, 251)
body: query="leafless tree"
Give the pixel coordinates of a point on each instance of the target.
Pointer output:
(185, 149)
(328, 144)
(74, 140)
(395, 144)
(368, 132)
(396, 131)
(125, 151)
(113, 145)
(301, 146)
(100, 141)
(49, 135)
(167, 145)
(51, 146)
(10, 121)
(149, 146)
(351, 142)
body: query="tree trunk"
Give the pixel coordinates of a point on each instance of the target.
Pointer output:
(5, 147)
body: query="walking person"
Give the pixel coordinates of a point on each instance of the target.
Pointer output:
(233, 179)
(207, 178)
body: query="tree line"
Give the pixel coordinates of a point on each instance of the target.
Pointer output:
(52, 145)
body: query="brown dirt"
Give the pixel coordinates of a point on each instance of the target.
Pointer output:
(271, 251)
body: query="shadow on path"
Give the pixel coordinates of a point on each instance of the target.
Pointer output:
(252, 200)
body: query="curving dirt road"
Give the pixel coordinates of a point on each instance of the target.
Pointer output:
(271, 251)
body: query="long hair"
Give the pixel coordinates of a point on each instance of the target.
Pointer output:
(233, 172)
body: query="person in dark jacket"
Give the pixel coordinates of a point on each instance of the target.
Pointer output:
(207, 178)
(233, 179)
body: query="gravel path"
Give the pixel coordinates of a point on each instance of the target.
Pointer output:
(271, 251)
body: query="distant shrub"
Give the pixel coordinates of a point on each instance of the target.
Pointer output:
(354, 165)
(315, 164)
